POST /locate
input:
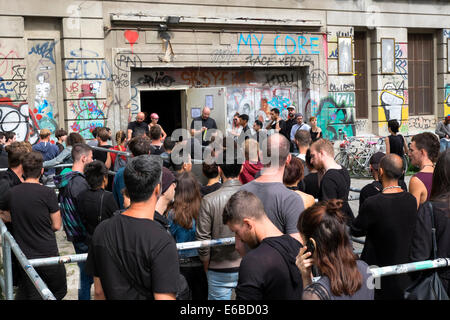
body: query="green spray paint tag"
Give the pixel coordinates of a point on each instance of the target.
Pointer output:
(423, 265)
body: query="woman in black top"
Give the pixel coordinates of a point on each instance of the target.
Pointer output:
(315, 131)
(327, 246)
(421, 247)
(395, 143)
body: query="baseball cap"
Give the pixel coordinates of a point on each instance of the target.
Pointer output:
(375, 159)
(154, 116)
(167, 179)
(291, 107)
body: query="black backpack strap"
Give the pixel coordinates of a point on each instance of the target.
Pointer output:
(433, 231)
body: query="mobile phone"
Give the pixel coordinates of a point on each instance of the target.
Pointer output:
(310, 247)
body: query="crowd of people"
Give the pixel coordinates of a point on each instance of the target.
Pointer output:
(288, 211)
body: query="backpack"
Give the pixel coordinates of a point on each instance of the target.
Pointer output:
(73, 226)
(119, 163)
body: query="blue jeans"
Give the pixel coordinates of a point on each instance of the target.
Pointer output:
(86, 281)
(444, 144)
(220, 284)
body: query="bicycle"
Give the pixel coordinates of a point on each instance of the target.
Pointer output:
(355, 154)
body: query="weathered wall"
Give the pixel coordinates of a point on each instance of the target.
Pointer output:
(79, 69)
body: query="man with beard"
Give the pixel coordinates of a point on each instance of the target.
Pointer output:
(335, 180)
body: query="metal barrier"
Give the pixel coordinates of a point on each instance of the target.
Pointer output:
(8, 244)
(46, 294)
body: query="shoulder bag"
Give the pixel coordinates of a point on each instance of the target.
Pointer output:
(428, 286)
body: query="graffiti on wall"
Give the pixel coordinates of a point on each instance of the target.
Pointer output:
(17, 118)
(282, 44)
(423, 123)
(87, 64)
(87, 113)
(41, 60)
(447, 100)
(336, 119)
(257, 102)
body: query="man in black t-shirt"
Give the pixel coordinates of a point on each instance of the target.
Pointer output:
(102, 138)
(35, 222)
(138, 127)
(335, 181)
(268, 271)
(131, 256)
(201, 125)
(388, 221)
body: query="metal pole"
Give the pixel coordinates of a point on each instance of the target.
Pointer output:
(7, 264)
(410, 267)
(123, 153)
(45, 293)
(82, 257)
(58, 260)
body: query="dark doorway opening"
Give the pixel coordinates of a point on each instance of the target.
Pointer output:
(167, 104)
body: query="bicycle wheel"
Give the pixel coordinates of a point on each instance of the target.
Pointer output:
(342, 159)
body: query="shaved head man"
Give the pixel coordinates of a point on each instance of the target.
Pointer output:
(388, 221)
(200, 126)
(138, 127)
(282, 206)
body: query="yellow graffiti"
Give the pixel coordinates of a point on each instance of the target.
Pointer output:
(447, 105)
(382, 120)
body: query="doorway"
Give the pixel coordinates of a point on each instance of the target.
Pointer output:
(167, 104)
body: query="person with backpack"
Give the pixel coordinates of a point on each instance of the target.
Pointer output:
(95, 204)
(71, 185)
(121, 139)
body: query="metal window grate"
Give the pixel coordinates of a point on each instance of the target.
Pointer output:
(420, 73)
(361, 93)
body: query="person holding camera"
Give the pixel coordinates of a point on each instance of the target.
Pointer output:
(322, 228)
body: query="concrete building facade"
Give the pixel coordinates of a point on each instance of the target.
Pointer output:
(353, 64)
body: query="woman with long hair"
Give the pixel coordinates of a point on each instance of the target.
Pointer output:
(293, 174)
(182, 223)
(323, 232)
(121, 139)
(421, 248)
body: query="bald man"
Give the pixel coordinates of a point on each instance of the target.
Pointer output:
(138, 127)
(282, 206)
(201, 124)
(388, 220)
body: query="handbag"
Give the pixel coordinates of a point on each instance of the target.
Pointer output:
(428, 286)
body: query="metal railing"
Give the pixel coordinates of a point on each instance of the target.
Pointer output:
(9, 244)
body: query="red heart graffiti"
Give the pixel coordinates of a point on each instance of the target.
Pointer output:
(39, 117)
(131, 36)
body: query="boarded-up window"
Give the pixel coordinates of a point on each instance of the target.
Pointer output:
(362, 107)
(420, 73)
